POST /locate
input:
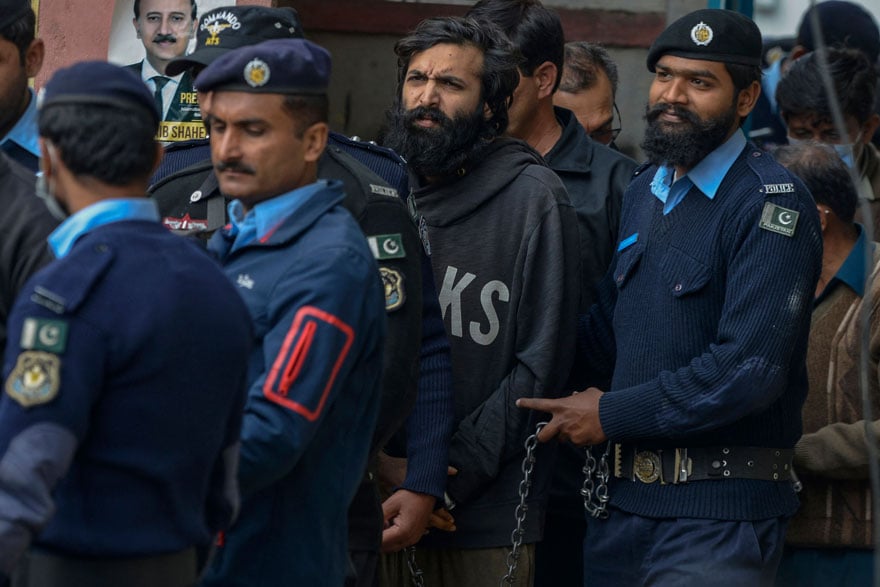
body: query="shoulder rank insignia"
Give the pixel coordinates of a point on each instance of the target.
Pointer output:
(387, 246)
(35, 378)
(394, 293)
(778, 219)
(44, 335)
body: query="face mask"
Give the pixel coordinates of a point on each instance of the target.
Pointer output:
(846, 151)
(44, 194)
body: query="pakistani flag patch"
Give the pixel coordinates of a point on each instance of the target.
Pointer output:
(778, 219)
(44, 335)
(387, 246)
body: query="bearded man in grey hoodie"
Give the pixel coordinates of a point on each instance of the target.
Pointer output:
(503, 242)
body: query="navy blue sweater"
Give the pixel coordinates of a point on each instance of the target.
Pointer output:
(705, 318)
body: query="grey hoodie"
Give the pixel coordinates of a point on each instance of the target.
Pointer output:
(504, 250)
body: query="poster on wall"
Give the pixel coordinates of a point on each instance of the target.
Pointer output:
(147, 41)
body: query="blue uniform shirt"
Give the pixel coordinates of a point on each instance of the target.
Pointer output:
(264, 218)
(22, 142)
(63, 238)
(706, 175)
(852, 272)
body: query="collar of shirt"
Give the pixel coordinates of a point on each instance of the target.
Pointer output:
(707, 175)
(148, 72)
(852, 272)
(104, 212)
(25, 133)
(264, 218)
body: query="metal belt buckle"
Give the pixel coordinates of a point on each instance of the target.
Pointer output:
(646, 466)
(683, 466)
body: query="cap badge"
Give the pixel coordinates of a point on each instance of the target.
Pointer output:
(256, 73)
(702, 34)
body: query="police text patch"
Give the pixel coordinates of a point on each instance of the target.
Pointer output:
(383, 190)
(778, 188)
(778, 219)
(35, 378)
(44, 335)
(387, 246)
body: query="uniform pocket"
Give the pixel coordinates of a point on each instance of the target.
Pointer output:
(627, 261)
(683, 274)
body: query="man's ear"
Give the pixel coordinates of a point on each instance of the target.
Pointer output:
(823, 216)
(137, 27)
(315, 140)
(747, 99)
(869, 127)
(45, 159)
(545, 77)
(33, 57)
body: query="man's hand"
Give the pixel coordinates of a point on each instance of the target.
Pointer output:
(574, 418)
(406, 519)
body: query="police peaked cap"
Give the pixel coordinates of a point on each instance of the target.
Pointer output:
(231, 27)
(99, 83)
(12, 10)
(281, 66)
(710, 35)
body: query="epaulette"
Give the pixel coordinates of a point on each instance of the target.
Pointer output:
(382, 161)
(63, 287)
(638, 170)
(774, 179)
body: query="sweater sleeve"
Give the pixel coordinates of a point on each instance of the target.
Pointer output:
(494, 432)
(430, 423)
(836, 451)
(769, 283)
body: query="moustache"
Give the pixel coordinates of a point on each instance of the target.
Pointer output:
(234, 166)
(161, 38)
(423, 112)
(659, 108)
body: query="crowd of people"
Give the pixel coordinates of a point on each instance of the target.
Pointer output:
(240, 348)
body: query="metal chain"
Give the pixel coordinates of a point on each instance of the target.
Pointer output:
(596, 496)
(414, 571)
(516, 536)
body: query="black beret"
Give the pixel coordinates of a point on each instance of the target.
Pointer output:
(98, 82)
(843, 24)
(12, 10)
(281, 66)
(710, 35)
(231, 27)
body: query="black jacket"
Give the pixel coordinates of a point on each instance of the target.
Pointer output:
(24, 226)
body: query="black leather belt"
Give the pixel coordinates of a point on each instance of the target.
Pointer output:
(682, 465)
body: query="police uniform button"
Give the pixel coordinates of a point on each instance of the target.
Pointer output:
(756, 154)
(196, 196)
(619, 278)
(716, 464)
(677, 287)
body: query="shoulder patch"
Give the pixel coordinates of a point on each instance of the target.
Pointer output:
(395, 294)
(387, 246)
(383, 190)
(778, 219)
(40, 334)
(35, 378)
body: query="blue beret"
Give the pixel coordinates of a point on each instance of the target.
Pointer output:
(281, 66)
(231, 27)
(710, 34)
(12, 10)
(98, 82)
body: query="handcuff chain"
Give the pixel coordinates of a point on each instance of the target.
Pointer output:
(516, 537)
(414, 571)
(596, 497)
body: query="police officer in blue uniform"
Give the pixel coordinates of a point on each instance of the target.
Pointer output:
(312, 286)
(118, 430)
(704, 319)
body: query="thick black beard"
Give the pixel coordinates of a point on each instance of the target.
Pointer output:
(441, 151)
(686, 143)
